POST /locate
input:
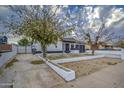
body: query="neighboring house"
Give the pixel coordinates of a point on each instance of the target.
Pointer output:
(4, 47)
(107, 45)
(3, 40)
(67, 45)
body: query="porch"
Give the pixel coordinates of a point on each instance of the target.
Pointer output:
(71, 45)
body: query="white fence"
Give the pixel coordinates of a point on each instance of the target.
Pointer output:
(23, 49)
(8, 55)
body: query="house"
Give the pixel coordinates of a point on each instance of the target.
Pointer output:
(107, 45)
(66, 45)
(72, 45)
(3, 40)
(4, 47)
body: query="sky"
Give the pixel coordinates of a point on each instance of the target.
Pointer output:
(113, 15)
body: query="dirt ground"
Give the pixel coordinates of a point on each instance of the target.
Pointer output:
(83, 68)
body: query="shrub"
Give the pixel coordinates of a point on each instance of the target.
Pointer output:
(1, 71)
(112, 63)
(121, 44)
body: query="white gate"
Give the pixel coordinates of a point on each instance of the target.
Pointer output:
(23, 49)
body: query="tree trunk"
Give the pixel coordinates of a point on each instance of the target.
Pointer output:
(17, 49)
(25, 49)
(44, 52)
(62, 48)
(93, 51)
(93, 48)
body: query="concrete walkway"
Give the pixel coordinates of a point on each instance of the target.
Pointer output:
(111, 77)
(76, 59)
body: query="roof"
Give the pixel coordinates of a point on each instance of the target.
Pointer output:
(107, 43)
(72, 39)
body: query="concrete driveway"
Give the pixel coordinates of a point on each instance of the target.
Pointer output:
(23, 74)
(29, 75)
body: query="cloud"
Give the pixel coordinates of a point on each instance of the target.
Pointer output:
(88, 17)
(93, 17)
(4, 11)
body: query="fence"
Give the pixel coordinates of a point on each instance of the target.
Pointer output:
(23, 49)
(7, 55)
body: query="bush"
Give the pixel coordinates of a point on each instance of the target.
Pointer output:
(11, 63)
(112, 63)
(121, 44)
(1, 71)
(36, 62)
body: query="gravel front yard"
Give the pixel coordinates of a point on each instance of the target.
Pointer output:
(83, 68)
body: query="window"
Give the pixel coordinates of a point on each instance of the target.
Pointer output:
(77, 46)
(56, 46)
(72, 46)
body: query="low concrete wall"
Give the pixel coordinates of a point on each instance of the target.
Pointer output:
(7, 56)
(110, 53)
(69, 74)
(76, 59)
(106, 52)
(75, 51)
(122, 54)
(113, 56)
(65, 73)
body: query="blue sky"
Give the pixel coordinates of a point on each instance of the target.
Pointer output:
(112, 13)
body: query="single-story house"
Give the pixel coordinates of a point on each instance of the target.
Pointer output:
(106, 45)
(66, 45)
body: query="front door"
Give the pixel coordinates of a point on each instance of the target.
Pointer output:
(67, 50)
(82, 48)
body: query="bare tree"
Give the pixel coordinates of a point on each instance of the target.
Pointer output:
(95, 30)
